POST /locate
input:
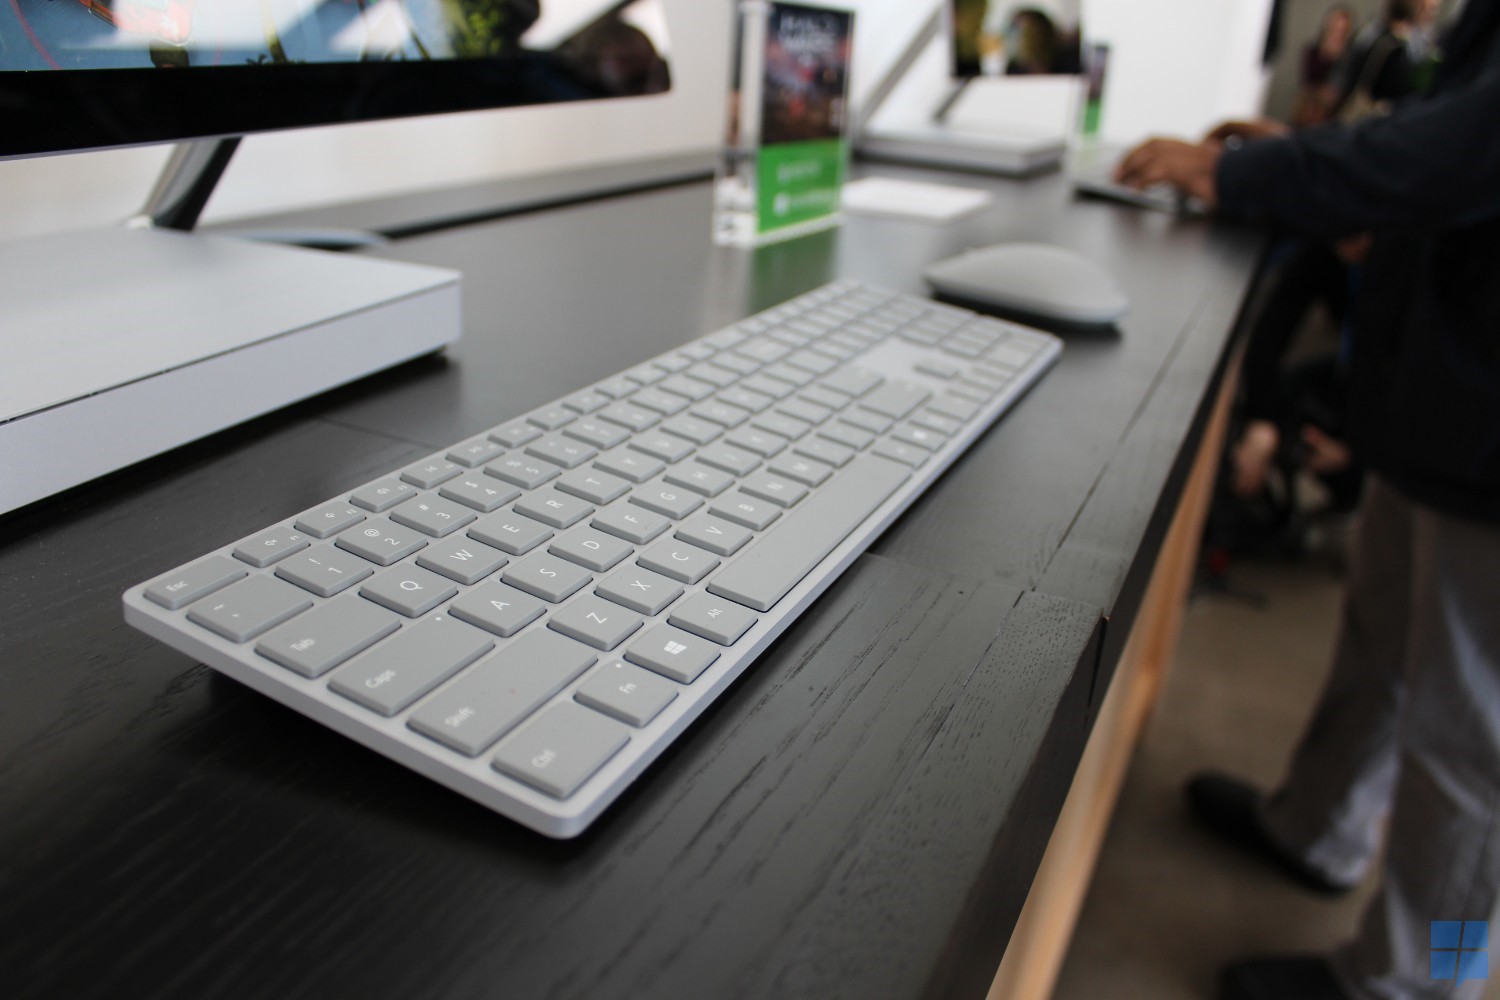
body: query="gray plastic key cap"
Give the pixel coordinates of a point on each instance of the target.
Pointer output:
(673, 653)
(500, 692)
(632, 523)
(667, 447)
(561, 748)
(325, 570)
(497, 608)
(626, 692)
(515, 433)
(593, 485)
(483, 493)
(845, 434)
(825, 451)
(408, 590)
(315, 643)
(699, 478)
(632, 465)
(921, 437)
(684, 563)
(432, 472)
(741, 508)
(598, 433)
(664, 498)
(382, 495)
(552, 507)
(329, 519)
(431, 516)
(909, 454)
(734, 460)
(546, 576)
(639, 590)
(409, 664)
(713, 618)
(381, 541)
(244, 610)
(596, 622)
(270, 546)
(562, 451)
(189, 583)
(714, 534)
(896, 399)
(463, 560)
(781, 492)
(695, 430)
(637, 418)
(720, 413)
(510, 532)
(774, 564)
(523, 471)
(803, 470)
(762, 443)
(474, 452)
(591, 549)
(666, 403)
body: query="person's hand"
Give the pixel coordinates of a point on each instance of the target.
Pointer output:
(1188, 167)
(1260, 128)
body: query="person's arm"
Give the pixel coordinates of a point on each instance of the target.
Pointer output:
(1431, 164)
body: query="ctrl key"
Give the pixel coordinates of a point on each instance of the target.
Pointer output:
(560, 749)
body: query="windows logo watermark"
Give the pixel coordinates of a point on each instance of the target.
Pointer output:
(1460, 949)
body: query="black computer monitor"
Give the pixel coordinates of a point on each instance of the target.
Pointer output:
(1014, 37)
(93, 74)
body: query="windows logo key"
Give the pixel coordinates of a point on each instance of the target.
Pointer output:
(1460, 949)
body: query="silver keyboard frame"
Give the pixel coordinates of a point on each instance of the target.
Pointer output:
(474, 777)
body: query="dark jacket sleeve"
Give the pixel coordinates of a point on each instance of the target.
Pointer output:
(1430, 165)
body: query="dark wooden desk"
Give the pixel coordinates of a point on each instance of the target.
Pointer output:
(860, 816)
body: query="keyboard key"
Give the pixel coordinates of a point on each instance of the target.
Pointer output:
(779, 423)
(523, 471)
(744, 509)
(463, 560)
(628, 464)
(432, 472)
(866, 420)
(412, 662)
(906, 453)
(671, 501)
(628, 693)
(596, 622)
(647, 374)
(594, 486)
(746, 399)
(720, 413)
(315, 643)
(722, 378)
(561, 748)
(554, 508)
(683, 385)
(553, 418)
(729, 459)
(437, 518)
(713, 618)
(846, 434)
(938, 369)
(762, 443)
(329, 519)
(803, 470)
(673, 653)
(634, 524)
(714, 534)
(801, 409)
(475, 452)
(562, 451)
(186, 585)
(789, 373)
(822, 397)
(324, 571)
(544, 575)
(736, 363)
(896, 399)
(667, 447)
(586, 402)
(918, 436)
(408, 590)
(380, 541)
(637, 418)
(483, 493)
(382, 495)
(639, 590)
(935, 422)
(695, 430)
(617, 388)
(777, 562)
(515, 434)
(591, 549)
(763, 350)
(666, 403)
(699, 478)
(510, 532)
(244, 610)
(497, 608)
(954, 407)
(599, 433)
(781, 492)
(269, 546)
(763, 383)
(683, 563)
(825, 451)
(498, 693)
(813, 362)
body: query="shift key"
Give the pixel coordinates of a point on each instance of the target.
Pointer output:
(411, 663)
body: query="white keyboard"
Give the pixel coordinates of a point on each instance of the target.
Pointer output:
(531, 616)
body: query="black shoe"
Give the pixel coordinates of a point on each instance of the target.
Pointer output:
(1230, 808)
(1298, 977)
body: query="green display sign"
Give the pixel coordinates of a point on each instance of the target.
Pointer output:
(798, 182)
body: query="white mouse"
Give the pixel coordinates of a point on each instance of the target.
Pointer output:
(1033, 280)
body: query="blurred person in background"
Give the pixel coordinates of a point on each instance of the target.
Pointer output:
(1317, 87)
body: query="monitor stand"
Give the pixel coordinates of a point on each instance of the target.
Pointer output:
(123, 343)
(937, 141)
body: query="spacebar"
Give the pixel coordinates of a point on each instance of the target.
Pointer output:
(778, 561)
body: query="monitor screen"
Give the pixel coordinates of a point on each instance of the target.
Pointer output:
(90, 74)
(1015, 37)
